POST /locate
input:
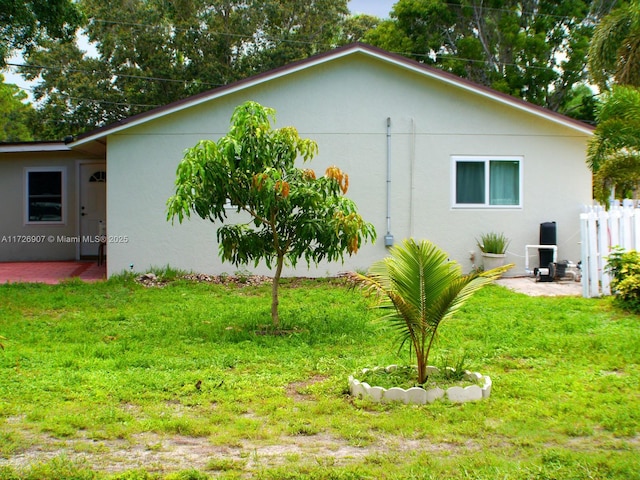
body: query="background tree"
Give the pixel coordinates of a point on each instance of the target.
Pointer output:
(614, 63)
(614, 52)
(293, 214)
(75, 93)
(355, 28)
(152, 52)
(614, 150)
(534, 50)
(291, 30)
(25, 24)
(16, 117)
(581, 104)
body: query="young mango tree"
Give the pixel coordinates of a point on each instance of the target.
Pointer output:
(292, 213)
(419, 288)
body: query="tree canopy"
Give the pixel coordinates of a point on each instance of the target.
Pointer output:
(16, 117)
(25, 24)
(614, 150)
(534, 50)
(614, 53)
(614, 63)
(152, 52)
(292, 213)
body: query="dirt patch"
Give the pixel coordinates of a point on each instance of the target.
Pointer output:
(157, 453)
(153, 280)
(242, 280)
(298, 390)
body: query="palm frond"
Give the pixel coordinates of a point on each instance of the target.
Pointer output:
(419, 287)
(618, 131)
(608, 37)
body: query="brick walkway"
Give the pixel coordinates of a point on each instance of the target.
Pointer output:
(50, 272)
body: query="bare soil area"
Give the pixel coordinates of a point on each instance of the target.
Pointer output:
(157, 453)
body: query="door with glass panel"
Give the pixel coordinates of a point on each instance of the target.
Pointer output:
(93, 207)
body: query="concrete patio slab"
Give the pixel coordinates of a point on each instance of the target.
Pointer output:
(50, 272)
(529, 286)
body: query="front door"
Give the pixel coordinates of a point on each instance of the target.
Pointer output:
(93, 206)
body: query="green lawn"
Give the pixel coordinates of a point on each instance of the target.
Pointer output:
(117, 380)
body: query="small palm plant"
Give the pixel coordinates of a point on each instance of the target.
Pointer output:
(420, 288)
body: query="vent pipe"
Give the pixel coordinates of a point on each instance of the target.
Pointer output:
(388, 238)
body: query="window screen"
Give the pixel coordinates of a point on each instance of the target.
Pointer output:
(44, 196)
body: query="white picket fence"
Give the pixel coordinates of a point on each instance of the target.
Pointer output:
(601, 231)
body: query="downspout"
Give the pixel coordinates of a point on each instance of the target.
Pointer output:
(388, 238)
(412, 159)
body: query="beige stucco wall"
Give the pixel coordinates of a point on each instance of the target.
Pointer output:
(20, 241)
(344, 106)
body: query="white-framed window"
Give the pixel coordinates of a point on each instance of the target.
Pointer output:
(486, 181)
(45, 192)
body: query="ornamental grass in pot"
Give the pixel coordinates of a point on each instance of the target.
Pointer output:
(493, 247)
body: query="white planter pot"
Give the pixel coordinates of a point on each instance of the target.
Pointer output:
(493, 260)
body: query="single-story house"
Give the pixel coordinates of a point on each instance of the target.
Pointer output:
(429, 156)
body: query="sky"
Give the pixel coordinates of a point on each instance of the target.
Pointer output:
(378, 8)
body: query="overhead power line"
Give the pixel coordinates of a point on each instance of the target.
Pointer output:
(93, 72)
(94, 100)
(214, 85)
(141, 25)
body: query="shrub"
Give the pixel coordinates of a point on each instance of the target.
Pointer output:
(624, 267)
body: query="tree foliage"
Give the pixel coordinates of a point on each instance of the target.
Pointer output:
(152, 52)
(291, 30)
(292, 214)
(25, 24)
(534, 50)
(70, 83)
(16, 117)
(614, 53)
(419, 288)
(614, 150)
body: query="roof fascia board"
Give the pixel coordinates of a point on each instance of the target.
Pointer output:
(483, 91)
(34, 148)
(386, 57)
(219, 92)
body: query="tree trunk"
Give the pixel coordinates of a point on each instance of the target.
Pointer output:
(425, 358)
(274, 292)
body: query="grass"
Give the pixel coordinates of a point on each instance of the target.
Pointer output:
(118, 381)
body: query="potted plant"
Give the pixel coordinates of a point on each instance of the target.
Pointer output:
(419, 287)
(493, 247)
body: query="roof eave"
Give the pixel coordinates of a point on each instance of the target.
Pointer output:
(378, 53)
(33, 147)
(209, 95)
(478, 89)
